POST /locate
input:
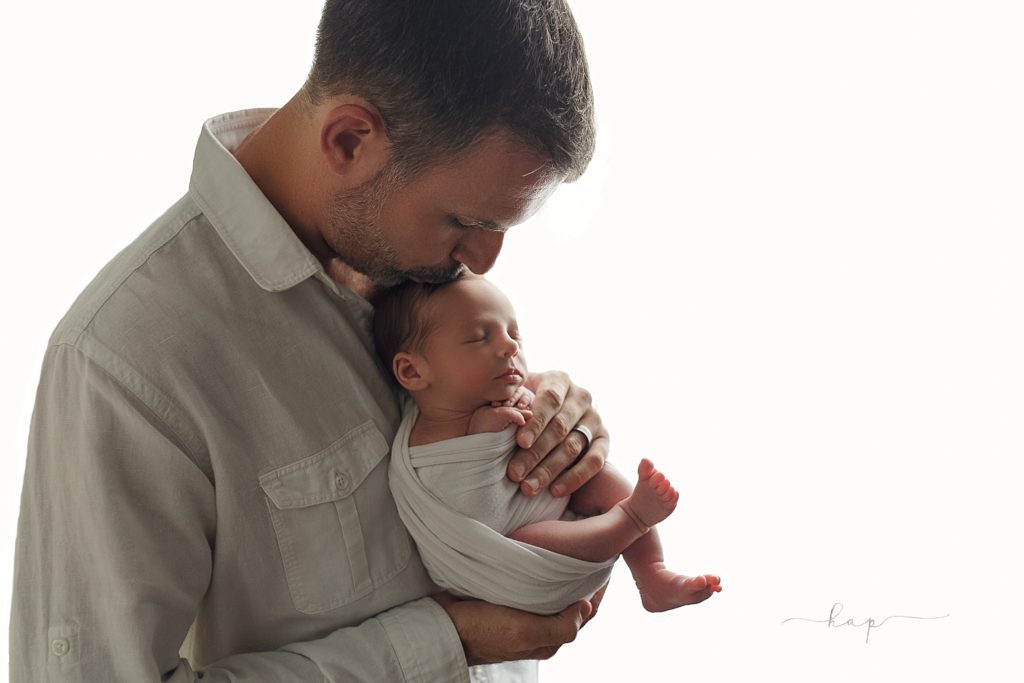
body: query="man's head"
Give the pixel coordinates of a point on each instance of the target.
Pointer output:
(456, 341)
(442, 73)
(436, 114)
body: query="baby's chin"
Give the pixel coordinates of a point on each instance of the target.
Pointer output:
(506, 393)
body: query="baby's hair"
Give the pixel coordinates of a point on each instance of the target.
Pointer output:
(398, 321)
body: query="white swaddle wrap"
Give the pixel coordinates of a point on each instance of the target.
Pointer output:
(457, 504)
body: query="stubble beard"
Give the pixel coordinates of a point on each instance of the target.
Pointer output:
(354, 223)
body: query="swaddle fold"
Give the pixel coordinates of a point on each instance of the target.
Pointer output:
(457, 504)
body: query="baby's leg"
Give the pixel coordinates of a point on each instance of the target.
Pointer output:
(619, 516)
(660, 589)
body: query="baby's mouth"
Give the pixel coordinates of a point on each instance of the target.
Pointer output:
(511, 373)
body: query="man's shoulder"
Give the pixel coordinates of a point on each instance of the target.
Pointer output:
(94, 304)
(151, 287)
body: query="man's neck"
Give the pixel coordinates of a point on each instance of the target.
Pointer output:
(282, 157)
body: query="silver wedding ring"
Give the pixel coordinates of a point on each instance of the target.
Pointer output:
(587, 437)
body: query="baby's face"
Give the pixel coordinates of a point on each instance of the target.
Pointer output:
(473, 355)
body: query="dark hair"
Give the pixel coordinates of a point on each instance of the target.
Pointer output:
(398, 320)
(442, 72)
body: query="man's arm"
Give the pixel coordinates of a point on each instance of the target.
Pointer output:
(114, 556)
(494, 633)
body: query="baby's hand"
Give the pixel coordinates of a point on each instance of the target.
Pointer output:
(522, 399)
(497, 418)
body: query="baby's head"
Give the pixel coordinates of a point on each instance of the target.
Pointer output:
(455, 344)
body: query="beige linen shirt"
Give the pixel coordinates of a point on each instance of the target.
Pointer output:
(208, 458)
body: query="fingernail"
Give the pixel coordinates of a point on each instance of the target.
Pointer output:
(557, 490)
(516, 471)
(527, 440)
(533, 483)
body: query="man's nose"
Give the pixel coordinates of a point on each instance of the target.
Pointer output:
(479, 251)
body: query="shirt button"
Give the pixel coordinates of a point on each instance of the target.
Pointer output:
(60, 646)
(341, 481)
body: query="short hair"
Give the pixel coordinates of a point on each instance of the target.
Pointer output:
(442, 72)
(399, 323)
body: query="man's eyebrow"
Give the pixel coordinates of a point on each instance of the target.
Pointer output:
(489, 225)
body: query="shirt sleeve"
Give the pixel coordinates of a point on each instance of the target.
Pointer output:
(113, 557)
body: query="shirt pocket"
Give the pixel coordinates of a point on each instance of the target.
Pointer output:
(336, 523)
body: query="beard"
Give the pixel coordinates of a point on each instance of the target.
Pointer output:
(353, 218)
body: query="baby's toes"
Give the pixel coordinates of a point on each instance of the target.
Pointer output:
(645, 469)
(697, 583)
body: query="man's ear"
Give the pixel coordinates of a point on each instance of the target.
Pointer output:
(410, 371)
(353, 142)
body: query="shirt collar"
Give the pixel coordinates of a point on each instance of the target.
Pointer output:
(246, 221)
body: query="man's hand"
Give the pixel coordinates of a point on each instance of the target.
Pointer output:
(549, 449)
(494, 633)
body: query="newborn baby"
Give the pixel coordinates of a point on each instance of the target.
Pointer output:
(455, 348)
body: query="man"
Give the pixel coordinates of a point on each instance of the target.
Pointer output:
(206, 490)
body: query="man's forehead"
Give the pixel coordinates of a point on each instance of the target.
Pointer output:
(505, 172)
(534, 200)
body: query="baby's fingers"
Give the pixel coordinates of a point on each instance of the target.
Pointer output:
(513, 415)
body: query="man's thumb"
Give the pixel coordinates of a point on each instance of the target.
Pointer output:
(581, 611)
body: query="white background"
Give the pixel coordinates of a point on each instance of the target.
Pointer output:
(791, 276)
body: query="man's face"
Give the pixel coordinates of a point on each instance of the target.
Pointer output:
(474, 353)
(446, 219)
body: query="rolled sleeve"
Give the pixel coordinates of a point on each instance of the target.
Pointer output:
(412, 643)
(425, 642)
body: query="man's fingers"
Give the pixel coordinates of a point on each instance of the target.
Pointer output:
(563, 627)
(571, 479)
(548, 468)
(565, 461)
(595, 602)
(546, 404)
(542, 653)
(552, 437)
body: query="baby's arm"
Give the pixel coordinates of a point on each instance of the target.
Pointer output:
(502, 414)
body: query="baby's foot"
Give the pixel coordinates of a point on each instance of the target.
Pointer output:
(653, 499)
(661, 589)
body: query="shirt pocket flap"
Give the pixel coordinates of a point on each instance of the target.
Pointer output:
(332, 474)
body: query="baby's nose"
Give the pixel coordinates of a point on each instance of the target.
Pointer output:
(511, 348)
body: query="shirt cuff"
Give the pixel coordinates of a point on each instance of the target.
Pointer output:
(425, 642)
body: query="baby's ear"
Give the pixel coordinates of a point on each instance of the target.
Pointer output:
(406, 367)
